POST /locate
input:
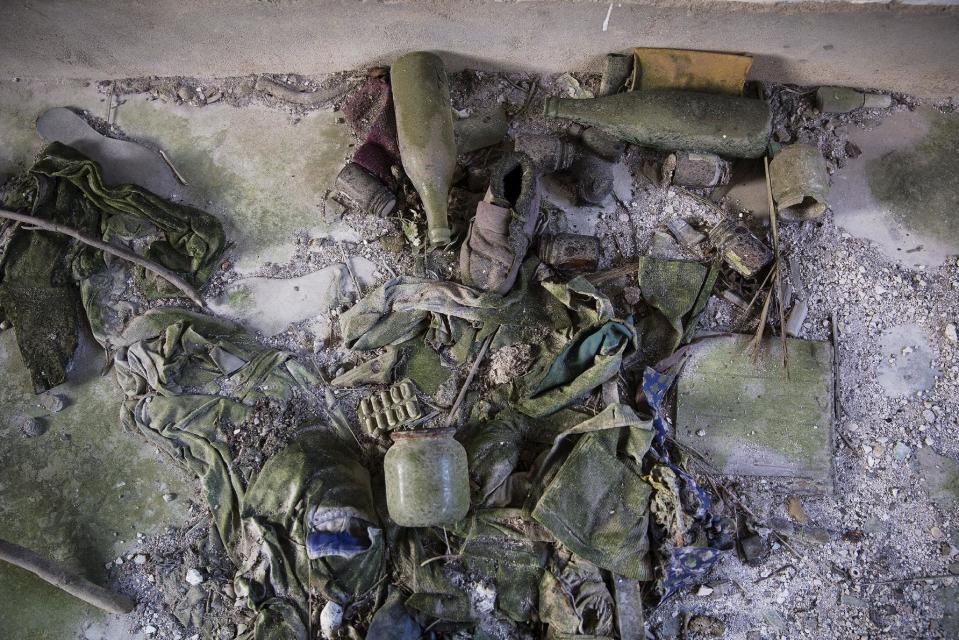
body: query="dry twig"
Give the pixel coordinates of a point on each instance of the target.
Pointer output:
(120, 252)
(777, 283)
(60, 577)
(170, 164)
(469, 378)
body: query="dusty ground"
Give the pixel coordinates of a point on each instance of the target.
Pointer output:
(855, 569)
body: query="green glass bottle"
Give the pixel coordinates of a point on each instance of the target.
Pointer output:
(424, 127)
(670, 120)
(844, 100)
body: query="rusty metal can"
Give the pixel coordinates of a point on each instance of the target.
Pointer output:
(700, 170)
(799, 182)
(371, 195)
(570, 252)
(547, 152)
(740, 248)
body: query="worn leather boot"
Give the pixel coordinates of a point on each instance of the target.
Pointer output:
(505, 221)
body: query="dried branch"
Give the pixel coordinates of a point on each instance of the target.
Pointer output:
(120, 252)
(74, 584)
(469, 378)
(777, 283)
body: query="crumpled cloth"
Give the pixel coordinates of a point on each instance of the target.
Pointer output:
(369, 110)
(308, 517)
(592, 352)
(675, 292)
(41, 268)
(596, 503)
(574, 599)
(404, 307)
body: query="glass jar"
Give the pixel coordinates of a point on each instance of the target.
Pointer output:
(427, 479)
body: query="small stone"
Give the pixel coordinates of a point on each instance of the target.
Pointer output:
(853, 601)
(755, 550)
(169, 497)
(4, 325)
(901, 451)
(701, 433)
(331, 618)
(928, 416)
(139, 559)
(632, 295)
(704, 591)
(31, 427)
(118, 561)
(705, 626)
(149, 630)
(52, 402)
(186, 93)
(194, 577)
(950, 333)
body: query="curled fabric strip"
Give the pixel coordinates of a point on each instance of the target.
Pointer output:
(683, 565)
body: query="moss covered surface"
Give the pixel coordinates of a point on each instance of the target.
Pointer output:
(920, 185)
(753, 419)
(79, 493)
(265, 176)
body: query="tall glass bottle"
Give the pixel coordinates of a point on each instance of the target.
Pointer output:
(671, 120)
(424, 127)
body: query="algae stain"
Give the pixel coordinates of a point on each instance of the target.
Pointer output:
(265, 176)
(921, 185)
(34, 610)
(79, 493)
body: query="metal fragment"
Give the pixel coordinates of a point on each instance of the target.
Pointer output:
(740, 248)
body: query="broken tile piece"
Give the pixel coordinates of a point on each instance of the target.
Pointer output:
(940, 477)
(907, 358)
(758, 422)
(270, 305)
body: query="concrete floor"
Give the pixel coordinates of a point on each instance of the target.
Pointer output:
(83, 490)
(867, 43)
(79, 493)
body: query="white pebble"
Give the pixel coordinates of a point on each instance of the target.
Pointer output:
(331, 618)
(194, 577)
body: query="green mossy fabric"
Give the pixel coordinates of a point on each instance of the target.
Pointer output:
(574, 599)
(592, 350)
(492, 450)
(597, 503)
(433, 592)
(45, 320)
(189, 240)
(188, 378)
(41, 268)
(511, 549)
(675, 293)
